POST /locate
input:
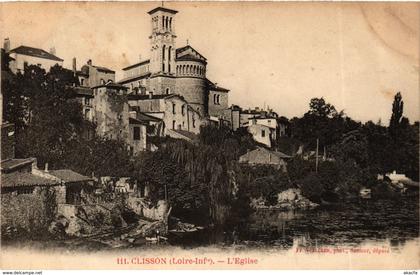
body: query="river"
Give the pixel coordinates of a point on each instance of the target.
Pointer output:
(346, 224)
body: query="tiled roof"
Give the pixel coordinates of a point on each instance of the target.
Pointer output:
(84, 91)
(214, 87)
(111, 85)
(103, 69)
(182, 49)
(190, 57)
(146, 117)
(67, 175)
(24, 179)
(133, 78)
(136, 65)
(25, 50)
(136, 121)
(162, 9)
(12, 164)
(186, 134)
(143, 97)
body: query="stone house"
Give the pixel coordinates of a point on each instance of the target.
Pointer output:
(262, 134)
(23, 56)
(27, 192)
(111, 111)
(91, 75)
(262, 156)
(175, 112)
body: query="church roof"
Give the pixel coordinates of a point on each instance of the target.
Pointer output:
(215, 87)
(134, 78)
(188, 47)
(162, 9)
(40, 53)
(190, 57)
(136, 65)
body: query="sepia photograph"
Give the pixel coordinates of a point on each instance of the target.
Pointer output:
(209, 135)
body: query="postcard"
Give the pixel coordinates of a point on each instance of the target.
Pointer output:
(209, 135)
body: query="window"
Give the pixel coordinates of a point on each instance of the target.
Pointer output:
(262, 133)
(169, 53)
(183, 109)
(136, 133)
(173, 108)
(163, 52)
(193, 122)
(82, 81)
(168, 91)
(173, 124)
(215, 99)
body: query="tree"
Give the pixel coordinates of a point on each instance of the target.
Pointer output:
(397, 113)
(320, 108)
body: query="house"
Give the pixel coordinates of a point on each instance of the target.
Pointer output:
(22, 176)
(111, 111)
(177, 115)
(262, 134)
(23, 56)
(262, 156)
(92, 75)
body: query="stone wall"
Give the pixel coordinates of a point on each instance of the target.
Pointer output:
(140, 207)
(27, 212)
(218, 103)
(194, 91)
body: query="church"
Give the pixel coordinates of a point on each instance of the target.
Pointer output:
(170, 73)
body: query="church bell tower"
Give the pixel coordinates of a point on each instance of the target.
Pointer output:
(162, 39)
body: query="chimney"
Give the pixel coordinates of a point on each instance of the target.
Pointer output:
(6, 45)
(46, 167)
(52, 51)
(89, 62)
(74, 65)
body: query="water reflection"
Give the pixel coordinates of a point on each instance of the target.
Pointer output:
(348, 224)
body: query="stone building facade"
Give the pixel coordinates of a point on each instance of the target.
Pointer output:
(111, 111)
(175, 112)
(171, 70)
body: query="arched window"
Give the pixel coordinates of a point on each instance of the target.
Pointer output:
(167, 23)
(163, 52)
(170, 24)
(169, 53)
(163, 22)
(218, 99)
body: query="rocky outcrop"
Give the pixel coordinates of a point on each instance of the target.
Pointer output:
(290, 199)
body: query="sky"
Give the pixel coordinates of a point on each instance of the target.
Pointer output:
(276, 54)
